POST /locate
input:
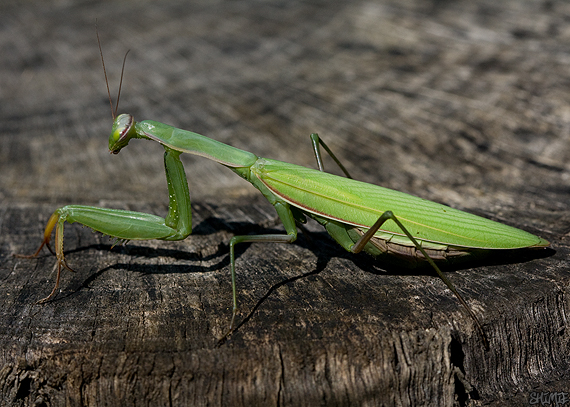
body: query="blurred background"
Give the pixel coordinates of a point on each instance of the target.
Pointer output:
(464, 103)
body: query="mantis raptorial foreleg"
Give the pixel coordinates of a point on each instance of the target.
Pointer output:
(126, 225)
(339, 233)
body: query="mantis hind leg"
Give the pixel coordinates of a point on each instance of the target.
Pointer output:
(388, 215)
(317, 143)
(339, 233)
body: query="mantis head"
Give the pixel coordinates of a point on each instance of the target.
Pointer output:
(123, 130)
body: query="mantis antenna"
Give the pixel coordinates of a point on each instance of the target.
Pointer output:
(115, 109)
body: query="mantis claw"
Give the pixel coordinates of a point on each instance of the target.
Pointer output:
(230, 330)
(49, 248)
(37, 252)
(61, 262)
(57, 265)
(54, 220)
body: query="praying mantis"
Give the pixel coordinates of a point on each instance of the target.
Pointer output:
(357, 215)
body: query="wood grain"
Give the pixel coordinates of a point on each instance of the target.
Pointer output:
(464, 103)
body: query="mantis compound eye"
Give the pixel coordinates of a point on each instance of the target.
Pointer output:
(121, 132)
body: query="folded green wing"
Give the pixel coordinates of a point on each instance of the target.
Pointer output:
(361, 204)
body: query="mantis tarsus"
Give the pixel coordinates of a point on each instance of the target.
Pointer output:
(359, 216)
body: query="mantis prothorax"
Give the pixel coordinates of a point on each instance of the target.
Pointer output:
(358, 215)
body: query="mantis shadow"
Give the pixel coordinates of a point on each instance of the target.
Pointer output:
(207, 227)
(319, 243)
(328, 250)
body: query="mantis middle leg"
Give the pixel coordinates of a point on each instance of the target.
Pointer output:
(288, 220)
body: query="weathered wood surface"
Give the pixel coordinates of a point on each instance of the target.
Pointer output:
(465, 103)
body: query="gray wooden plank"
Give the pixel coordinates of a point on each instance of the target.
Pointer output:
(463, 103)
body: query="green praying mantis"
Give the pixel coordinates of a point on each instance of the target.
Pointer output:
(357, 215)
